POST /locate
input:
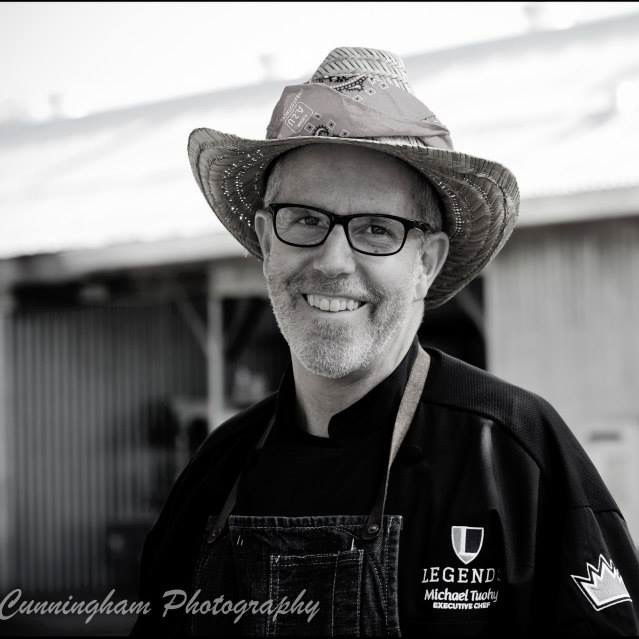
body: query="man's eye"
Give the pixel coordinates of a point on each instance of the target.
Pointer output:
(375, 229)
(308, 220)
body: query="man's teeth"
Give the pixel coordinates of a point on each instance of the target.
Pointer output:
(333, 304)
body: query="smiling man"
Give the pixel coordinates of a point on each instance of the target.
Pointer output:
(384, 490)
(347, 288)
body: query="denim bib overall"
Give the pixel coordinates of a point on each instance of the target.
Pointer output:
(324, 575)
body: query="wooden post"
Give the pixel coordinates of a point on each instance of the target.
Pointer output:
(215, 353)
(226, 279)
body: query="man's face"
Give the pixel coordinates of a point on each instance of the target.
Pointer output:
(307, 285)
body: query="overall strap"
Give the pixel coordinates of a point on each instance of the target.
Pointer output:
(231, 498)
(405, 414)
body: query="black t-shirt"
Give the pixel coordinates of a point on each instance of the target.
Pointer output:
(297, 473)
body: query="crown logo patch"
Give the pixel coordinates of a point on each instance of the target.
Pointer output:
(603, 586)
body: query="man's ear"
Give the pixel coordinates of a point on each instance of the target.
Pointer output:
(434, 253)
(263, 229)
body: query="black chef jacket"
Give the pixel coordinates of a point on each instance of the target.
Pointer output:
(297, 473)
(507, 527)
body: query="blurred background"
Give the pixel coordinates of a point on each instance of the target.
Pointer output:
(131, 323)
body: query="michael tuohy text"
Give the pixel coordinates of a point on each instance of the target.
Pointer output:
(479, 587)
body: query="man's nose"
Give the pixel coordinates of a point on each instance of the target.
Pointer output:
(335, 255)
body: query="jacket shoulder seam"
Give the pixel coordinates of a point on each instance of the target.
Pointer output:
(496, 420)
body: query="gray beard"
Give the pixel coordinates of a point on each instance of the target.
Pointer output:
(331, 350)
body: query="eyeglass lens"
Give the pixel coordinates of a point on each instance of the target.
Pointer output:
(369, 233)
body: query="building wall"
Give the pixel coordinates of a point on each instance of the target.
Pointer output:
(88, 443)
(562, 311)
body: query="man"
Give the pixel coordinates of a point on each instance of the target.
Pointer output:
(384, 490)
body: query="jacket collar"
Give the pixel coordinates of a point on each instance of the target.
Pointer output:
(377, 409)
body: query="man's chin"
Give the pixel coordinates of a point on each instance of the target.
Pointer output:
(333, 359)
(330, 369)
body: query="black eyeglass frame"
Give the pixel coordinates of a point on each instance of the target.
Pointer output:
(343, 220)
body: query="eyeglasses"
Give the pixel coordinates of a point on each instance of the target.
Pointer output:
(368, 233)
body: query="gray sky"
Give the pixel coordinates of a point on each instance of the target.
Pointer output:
(103, 55)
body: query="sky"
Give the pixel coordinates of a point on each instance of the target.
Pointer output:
(78, 58)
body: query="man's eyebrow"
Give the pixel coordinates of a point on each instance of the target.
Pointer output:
(321, 208)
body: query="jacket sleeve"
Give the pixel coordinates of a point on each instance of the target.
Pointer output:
(597, 576)
(588, 566)
(157, 571)
(171, 547)
(146, 623)
(165, 554)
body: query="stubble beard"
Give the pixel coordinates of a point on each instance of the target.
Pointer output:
(329, 348)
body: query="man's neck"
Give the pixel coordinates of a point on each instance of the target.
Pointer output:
(319, 398)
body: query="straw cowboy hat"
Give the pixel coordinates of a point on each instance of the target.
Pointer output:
(361, 96)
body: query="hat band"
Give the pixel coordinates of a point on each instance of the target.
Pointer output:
(318, 109)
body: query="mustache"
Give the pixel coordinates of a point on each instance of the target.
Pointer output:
(340, 287)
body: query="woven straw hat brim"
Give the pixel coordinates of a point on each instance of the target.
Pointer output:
(481, 197)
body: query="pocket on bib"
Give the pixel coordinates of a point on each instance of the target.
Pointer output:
(315, 594)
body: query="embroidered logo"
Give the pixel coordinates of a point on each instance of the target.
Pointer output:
(603, 587)
(467, 542)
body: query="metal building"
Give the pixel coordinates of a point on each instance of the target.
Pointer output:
(124, 306)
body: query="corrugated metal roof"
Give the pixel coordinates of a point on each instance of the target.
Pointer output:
(545, 104)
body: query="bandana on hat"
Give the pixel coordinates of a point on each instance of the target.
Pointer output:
(361, 109)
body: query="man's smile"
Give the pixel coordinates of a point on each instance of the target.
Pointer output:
(332, 304)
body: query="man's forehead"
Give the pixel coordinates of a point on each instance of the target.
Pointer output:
(329, 171)
(316, 156)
